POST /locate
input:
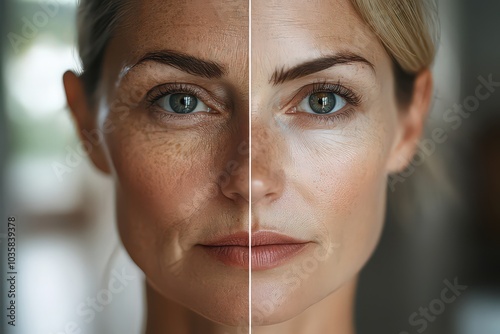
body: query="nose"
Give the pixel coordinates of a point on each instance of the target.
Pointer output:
(234, 180)
(266, 189)
(267, 172)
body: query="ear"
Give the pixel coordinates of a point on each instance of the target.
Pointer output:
(411, 123)
(86, 120)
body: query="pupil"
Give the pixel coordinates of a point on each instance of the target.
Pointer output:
(186, 101)
(183, 103)
(323, 102)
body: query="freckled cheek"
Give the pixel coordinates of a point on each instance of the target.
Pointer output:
(159, 178)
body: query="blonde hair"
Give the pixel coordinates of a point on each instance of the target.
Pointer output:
(408, 29)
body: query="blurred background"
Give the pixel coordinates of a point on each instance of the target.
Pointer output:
(443, 222)
(66, 240)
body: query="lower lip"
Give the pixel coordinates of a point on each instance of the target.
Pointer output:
(263, 257)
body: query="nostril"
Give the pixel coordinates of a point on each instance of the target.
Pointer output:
(235, 187)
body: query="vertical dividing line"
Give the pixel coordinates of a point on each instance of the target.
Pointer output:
(250, 166)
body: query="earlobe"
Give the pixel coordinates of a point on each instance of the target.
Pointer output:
(85, 119)
(411, 123)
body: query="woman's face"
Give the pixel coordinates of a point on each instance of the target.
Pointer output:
(174, 111)
(325, 125)
(326, 131)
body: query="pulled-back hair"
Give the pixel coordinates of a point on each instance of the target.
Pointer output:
(408, 29)
(97, 23)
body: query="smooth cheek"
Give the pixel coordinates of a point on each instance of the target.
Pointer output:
(352, 202)
(341, 180)
(348, 168)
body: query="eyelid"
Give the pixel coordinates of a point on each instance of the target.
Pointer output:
(305, 119)
(166, 105)
(348, 94)
(163, 90)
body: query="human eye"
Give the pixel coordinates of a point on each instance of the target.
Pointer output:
(325, 102)
(185, 104)
(322, 103)
(179, 99)
(182, 103)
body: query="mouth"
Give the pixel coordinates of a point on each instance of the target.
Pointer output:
(268, 249)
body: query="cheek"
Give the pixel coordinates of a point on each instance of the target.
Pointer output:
(336, 170)
(164, 182)
(161, 174)
(336, 184)
(341, 175)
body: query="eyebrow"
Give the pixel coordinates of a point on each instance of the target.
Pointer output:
(316, 65)
(185, 63)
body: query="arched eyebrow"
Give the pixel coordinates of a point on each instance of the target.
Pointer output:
(316, 65)
(184, 62)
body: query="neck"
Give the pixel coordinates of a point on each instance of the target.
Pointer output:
(334, 314)
(165, 316)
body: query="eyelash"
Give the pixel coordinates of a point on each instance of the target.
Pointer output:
(176, 88)
(351, 98)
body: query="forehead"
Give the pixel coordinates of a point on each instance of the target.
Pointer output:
(298, 30)
(210, 29)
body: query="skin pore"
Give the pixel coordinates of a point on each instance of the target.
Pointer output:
(181, 178)
(322, 178)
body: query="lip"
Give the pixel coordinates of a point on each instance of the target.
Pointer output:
(268, 249)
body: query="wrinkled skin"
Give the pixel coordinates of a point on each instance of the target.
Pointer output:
(182, 180)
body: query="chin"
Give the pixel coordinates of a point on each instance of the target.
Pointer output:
(219, 297)
(277, 302)
(228, 311)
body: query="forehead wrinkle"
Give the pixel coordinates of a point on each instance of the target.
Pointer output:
(194, 12)
(219, 39)
(317, 16)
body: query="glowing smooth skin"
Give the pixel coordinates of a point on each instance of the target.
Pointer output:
(320, 163)
(167, 165)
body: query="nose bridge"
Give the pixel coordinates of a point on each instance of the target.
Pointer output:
(268, 151)
(264, 147)
(234, 180)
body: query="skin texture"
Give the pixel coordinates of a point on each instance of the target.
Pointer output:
(179, 181)
(323, 182)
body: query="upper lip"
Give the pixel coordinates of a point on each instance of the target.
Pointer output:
(259, 238)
